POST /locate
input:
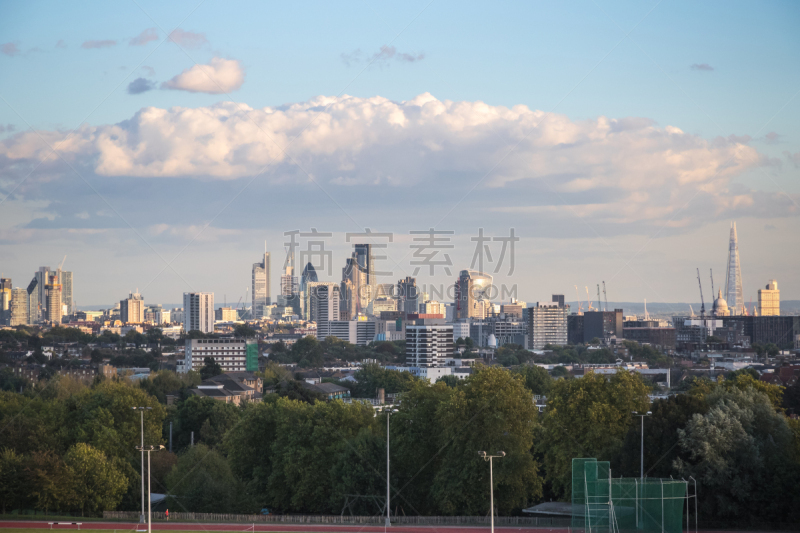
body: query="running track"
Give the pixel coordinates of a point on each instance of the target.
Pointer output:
(315, 528)
(188, 526)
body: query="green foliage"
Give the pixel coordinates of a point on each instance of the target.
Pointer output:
(743, 453)
(712, 339)
(560, 372)
(660, 436)
(209, 419)
(587, 417)
(312, 437)
(11, 382)
(134, 358)
(370, 378)
(450, 380)
(159, 384)
(535, 378)
(575, 354)
(512, 355)
(307, 352)
(202, 482)
(244, 331)
(97, 483)
(210, 368)
(648, 354)
(493, 411)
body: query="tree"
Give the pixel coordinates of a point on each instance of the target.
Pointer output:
(12, 480)
(210, 368)
(311, 438)
(492, 411)
(450, 380)
(202, 482)
(49, 480)
(97, 482)
(244, 331)
(307, 352)
(660, 437)
(536, 378)
(468, 342)
(560, 372)
(587, 417)
(744, 455)
(372, 377)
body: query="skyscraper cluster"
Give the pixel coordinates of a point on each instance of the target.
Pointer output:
(47, 298)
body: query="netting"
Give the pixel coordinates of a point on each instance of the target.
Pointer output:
(603, 503)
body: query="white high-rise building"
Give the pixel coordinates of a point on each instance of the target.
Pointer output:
(131, 309)
(19, 307)
(198, 311)
(261, 280)
(547, 324)
(428, 345)
(66, 292)
(323, 300)
(53, 300)
(769, 299)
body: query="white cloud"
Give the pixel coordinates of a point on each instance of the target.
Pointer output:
(150, 34)
(218, 77)
(619, 171)
(188, 39)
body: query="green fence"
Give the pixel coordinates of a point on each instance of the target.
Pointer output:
(603, 503)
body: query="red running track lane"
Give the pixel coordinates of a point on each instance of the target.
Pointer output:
(243, 527)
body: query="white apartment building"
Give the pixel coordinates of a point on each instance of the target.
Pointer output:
(547, 324)
(360, 332)
(131, 309)
(460, 330)
(231, 354)
(198, 311)
(323, 301)
(428, 345)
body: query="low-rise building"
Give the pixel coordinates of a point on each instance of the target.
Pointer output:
(232, 354)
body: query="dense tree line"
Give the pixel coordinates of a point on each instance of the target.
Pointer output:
(68, 447)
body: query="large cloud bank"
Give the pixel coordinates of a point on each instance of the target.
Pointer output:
(641, 171)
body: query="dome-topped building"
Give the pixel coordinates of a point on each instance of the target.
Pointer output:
(720, 306)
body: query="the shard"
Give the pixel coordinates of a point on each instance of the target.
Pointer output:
(734, 295)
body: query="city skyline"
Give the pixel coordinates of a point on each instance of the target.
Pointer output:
(618, 151)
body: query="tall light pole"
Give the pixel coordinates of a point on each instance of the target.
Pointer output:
(648, 413)
(141, 411)
(489, 458)
(149, 509)
(388, 495)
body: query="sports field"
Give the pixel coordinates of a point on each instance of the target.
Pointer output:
(129, 527)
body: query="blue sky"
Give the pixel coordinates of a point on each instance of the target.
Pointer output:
(723, 73)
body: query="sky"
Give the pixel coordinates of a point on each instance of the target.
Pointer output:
(159, 147)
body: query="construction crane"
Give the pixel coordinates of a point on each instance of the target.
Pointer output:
(605, 297)
(599, 301)
(578, 299)
(713, 294)
(62, 263)
(646, 316)
(691, 310)
(702, 302)
(590, 308)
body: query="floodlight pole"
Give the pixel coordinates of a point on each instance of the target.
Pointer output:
(641, 456)
(491, 482)
(141, 411)
(149, 449)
